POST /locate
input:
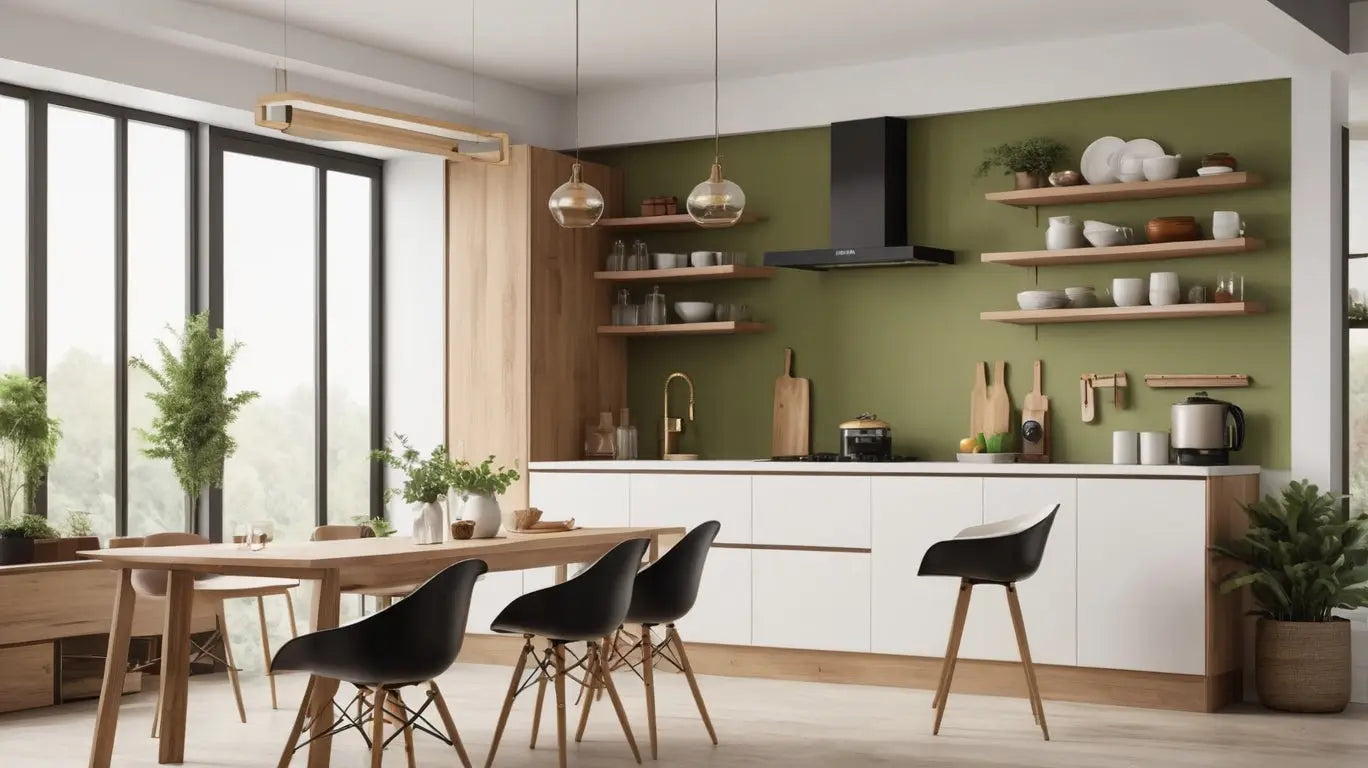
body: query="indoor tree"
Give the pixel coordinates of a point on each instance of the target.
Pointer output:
(28, 441)
(194, 408)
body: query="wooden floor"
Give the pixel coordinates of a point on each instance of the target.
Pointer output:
(760, 723)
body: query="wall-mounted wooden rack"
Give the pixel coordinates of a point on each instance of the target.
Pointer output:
(673, 221)
(1195, 380)
(683, 329)
(1102, 314)
(687, 274)
(1116, 253)
(1134, 190)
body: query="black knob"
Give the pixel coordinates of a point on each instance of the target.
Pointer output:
(1032, 432)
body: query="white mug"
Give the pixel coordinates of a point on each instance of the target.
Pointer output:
(1163, 288)
(1154, 448)
(1125, 447)
(1226, 225)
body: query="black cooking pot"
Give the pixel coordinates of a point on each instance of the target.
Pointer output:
(866, 437)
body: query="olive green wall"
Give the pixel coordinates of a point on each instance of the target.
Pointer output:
(901, 342)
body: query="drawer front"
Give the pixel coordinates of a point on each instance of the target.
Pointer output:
(27, 674)
(811, 511)
(813, 600)
(723, 611)
(689, 499)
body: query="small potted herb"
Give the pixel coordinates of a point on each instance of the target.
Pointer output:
(1030, 159)
(426, 484)
(377, 527)
(18, 536)
(478, 485)
(80, 535)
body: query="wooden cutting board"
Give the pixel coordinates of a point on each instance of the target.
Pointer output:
(999, 417)
(792, 420)
(978, 400)
(1036, 407)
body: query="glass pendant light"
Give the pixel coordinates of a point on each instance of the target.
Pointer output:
(576, 204)
(716, 202)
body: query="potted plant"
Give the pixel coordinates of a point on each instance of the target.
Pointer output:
(1304, 555)
(1030, 159)
(80, 535)
(426, 484)
(377, 527)
(18, 538)
(194, 409)
(28, 442)
(478, 485)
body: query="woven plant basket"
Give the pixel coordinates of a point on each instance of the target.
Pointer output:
(1302, 666)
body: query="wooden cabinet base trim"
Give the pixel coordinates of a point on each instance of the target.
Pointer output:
(1154, 690)
(794, 548)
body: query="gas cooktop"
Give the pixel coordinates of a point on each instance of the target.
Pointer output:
(839, 457)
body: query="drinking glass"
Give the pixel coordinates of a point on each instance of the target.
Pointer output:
(260, 534)
(240, 535)
(1229, 287)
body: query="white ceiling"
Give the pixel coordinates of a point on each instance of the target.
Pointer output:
(640, 42)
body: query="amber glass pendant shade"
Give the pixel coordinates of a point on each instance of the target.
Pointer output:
(576, 204)
(716, 202)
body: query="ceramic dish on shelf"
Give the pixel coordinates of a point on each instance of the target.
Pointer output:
(1095, 165)
(986, 458)
(694, 311)
(1138, 149)
(1042, 300)
(1214, 170)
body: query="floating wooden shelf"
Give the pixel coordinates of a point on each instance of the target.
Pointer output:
(1143, 252)
(683, 329)
(1133, 190)
(687, 274)
(672, 221)
(1195, 380)
(1102, 314)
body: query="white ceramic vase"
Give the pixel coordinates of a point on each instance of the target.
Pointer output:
(1063, 233)
(484, 512)
(428, 523)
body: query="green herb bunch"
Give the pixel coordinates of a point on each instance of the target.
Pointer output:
(1037, 155)
(482, 479)
(378, 526)
(426, 481)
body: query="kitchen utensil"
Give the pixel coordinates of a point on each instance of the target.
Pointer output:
(1065, 178)
(1137, 150)
(1130, 169)
(1088, 396)
(999, 403)
(792, 422)
(1081, 297)
(1063, 233)
(1163, 288)
(617, 258)
(1035, 422)
(986, 458)
(1042, 299)
(703, 258)
(1154, 448)
(1106, 238)
(1229, 287)
(1197, 294)
(653, 311)
(1125, 447)
(1205, 430)
(625, 446)
(1213, 170)
(978, 400)
(694, 311)
(1161, 167)
(1196, 380)
(1172, 229)
(1220, 160)
(866, 437)
(1095, 165)
(1226, 225)
(1128, 291)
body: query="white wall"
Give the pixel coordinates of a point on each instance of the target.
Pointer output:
(415, 338)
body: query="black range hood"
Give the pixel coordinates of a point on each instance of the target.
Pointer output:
(868, 203)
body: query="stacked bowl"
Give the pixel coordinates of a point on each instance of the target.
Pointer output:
(1042, 300)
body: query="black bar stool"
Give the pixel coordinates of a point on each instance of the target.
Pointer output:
(409, 643)
(664, 592)
(1001, 553)
(586, 609)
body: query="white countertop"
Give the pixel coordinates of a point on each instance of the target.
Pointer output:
(754, 467)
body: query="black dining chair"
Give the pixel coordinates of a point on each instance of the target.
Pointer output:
(409, 643)
(1001, 553)
(587, 608)
(664, 592)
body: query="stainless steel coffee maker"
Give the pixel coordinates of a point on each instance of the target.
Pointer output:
(1205, 430)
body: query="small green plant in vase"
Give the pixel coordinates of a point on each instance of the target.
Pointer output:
(1030, 159)
(426, 484)
(478, 485)
(379, 527)
(1303, 556)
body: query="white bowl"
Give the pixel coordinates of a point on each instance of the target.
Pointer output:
(1091, 224)
(694, 311)
(1105, 238)
(1081, 296)
(1042, 299)
(1213, 170)
(1161, 168)
(705, 258)
(668, 260)
(1129, 291)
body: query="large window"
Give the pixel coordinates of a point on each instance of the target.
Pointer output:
(13, 231)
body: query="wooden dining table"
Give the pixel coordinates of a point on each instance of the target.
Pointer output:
(334, 566)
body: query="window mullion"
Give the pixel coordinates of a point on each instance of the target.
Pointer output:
(321, 348)
(121, 326)
(36, 341)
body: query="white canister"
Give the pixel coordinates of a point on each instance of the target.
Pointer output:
(1063, 233)
(1125, 447)
(1163, 288)
(484, 512)
(1226, 225)
(1154, 448)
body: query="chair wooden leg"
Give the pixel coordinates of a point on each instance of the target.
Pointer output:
(378, 728)
(606, 675)
(232, 665)
(952, 655)
(156, 713)
(298, 726)
(398, 709)
(648, 678)
(537, 710)
(1032, 685)
(558, 653)
(672, 635)
(450, 724)
(591, 685)
(508, 700)
(961, 610)
(289, 608)
(266, 648)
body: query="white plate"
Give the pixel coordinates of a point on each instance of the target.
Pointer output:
(1213, 170)
(1095, 165)
(1138, 148)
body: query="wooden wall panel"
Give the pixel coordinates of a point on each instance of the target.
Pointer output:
(27, 677)
(1225, 614)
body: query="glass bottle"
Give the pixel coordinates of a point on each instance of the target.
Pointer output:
(617, 258)
(653, 310)
(621, 308)
(626, 447)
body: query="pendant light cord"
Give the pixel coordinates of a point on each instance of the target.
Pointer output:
(577, 113)
(717, 141)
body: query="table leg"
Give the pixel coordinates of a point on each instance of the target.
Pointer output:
(175, 667)
(116, 663)
(326, 610)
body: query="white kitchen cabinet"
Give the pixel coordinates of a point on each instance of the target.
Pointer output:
(1142, 575)
(723, 611)
(810, 510)
(911, 614)
(593, 499)
(813, 600)
(1048, 598)
(689, 499)
(493, 592)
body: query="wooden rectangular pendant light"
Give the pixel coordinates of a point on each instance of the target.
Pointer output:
(320, 119)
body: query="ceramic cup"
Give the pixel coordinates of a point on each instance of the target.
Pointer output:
(1128, 291)
(1125, 447)
(1161, 168)
(703, 258)
(1154, 448)
(1131, 169)
(1226, 225)
(1163, 288)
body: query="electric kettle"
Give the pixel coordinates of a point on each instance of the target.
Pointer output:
(1205, 430)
